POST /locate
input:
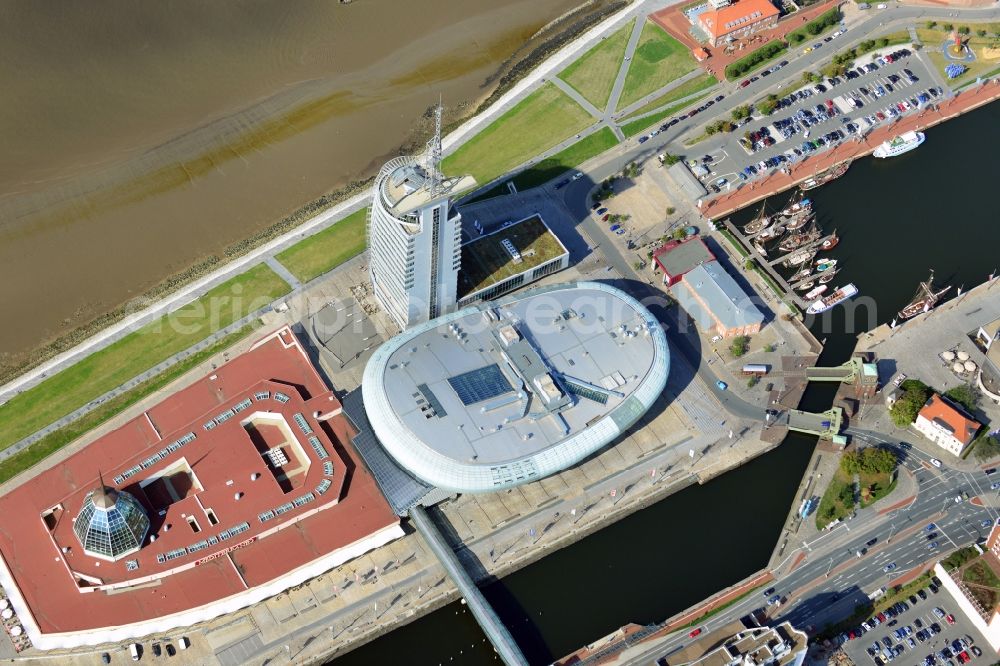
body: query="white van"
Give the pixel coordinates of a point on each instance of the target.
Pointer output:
(133, 650)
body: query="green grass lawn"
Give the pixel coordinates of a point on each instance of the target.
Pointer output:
(324, 251)
(102, 371)
(639, 125)
(538, 122)
(932, 39)
(680, 92)
(837, 501)
(54, 441)
(593, 74)
(878, 485)
(578, 153)
(658, 60)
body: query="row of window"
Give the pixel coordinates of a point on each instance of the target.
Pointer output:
(153, 459)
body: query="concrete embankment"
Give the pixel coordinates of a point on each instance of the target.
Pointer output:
(963, 102)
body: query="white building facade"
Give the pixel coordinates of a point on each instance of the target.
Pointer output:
(414, 238)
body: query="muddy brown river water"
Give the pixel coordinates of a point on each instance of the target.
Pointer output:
(139, 138)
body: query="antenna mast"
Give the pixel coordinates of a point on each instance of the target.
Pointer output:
(434, 152)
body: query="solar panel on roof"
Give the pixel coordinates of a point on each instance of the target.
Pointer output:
(480, 384)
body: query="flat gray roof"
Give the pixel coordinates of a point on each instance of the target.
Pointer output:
(684, 256)
(506, 381)
(719, 291)
(686, 181)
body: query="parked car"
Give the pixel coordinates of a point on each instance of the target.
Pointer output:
(722, 387)
(694, 632)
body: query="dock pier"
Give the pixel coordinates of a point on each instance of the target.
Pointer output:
(768, 266)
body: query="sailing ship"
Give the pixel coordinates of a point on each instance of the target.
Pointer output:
(799, 221)
(834, 299)
(830, 242)
(759, 246)
(824, 177)
(770, 233)
(805, 286)
(798, 206)
(924, 300)
(795, 241)
(828, 275)
(758, 223)
(800, 257)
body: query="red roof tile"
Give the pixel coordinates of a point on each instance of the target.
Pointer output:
(936, 409)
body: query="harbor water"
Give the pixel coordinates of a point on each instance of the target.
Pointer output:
(897, 219)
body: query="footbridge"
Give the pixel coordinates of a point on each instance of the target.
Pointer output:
(824, 424)
(859, 371)
(503, 642)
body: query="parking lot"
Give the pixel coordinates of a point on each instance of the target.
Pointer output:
(818, 116)
(925, 630)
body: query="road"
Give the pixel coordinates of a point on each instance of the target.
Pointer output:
(833, 580)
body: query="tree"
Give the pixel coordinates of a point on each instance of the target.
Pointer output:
(947, 27)
(964, 30)
(907, 406)
(981, 32)
(739, 346)
(741, 112)
(987, 446)
(931, 25)
(671, 210)
(882, 42)
(679, 234)
(670, 160)
(965, 395)
(869, 460)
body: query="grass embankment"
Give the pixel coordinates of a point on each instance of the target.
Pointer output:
(982, 583)
(822, 23)
(102, 371)
(875, 486)
(554, 166)
(718, 609)
(324, 251)
(54, 441)
(658, 60)
(680, 92)
(638, 126)
(535, 124)
(773, 50)
(593, 74)
(838, 500)
(980, 67)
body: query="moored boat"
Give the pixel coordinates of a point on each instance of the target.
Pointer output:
(805, 286)
(830, 241)
(823, 177)
(816, 292)
(799, 206)
(799, 221)
(800, 257)
(757, 245)
(770, 233)
(828, 275)
(758, 223)
(834, 299)
(823, 265)
(924, 300)
(898, 145)
(796, 241)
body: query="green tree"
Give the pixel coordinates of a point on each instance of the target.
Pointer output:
(987, 446)
(679, 234)
(947, 27)
(739, 346)
(882, 42)
(981, 32)
(907, 406)
(671, 210)
(741, 112)
(965, 395)
(964, 30)
(850, 462)
(931, 25)
(670, 160)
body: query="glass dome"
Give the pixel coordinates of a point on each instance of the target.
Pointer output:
(111, 524)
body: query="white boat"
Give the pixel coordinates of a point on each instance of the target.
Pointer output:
(816, 292)
(836, 298)
(903, 143)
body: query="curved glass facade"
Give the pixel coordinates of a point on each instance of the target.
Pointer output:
(111, 524)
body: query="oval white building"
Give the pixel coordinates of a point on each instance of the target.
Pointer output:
(510, 391)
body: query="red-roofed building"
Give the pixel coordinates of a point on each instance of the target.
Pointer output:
(228, 492)
(946, 425)
(675, 258)
(739, 19)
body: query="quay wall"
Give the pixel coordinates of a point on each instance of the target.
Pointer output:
(963, 102)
